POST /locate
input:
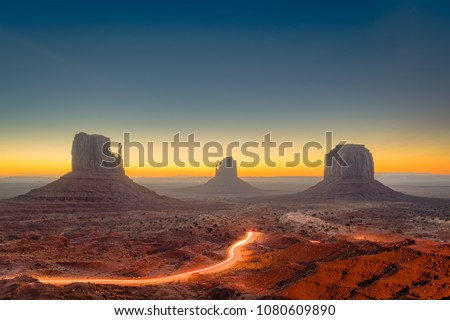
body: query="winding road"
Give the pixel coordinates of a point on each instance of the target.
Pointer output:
(233, 255)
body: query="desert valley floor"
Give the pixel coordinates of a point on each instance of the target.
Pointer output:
(329, 250)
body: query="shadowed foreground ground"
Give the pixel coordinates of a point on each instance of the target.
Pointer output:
(307, 251)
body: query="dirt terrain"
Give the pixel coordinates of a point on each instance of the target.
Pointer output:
(334, 250)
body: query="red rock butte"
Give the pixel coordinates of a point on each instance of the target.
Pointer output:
(225, 182)
(93, 184)
(90, 151)
(355, 180)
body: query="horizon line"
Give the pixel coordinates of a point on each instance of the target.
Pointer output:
(210, 176)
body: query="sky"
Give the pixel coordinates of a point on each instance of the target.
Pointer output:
(372, 72)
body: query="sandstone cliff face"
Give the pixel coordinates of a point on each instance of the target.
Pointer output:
(88, 153)
(359, 161)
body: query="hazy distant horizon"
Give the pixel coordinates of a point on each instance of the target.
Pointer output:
(241, 176)
(428, 185)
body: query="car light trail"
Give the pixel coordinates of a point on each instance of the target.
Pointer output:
(233, 255)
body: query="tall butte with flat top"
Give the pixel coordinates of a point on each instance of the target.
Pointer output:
(91, 184)
(352, 180)
(90, 151)
(359, 162)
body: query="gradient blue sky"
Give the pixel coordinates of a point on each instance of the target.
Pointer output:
(374, 72)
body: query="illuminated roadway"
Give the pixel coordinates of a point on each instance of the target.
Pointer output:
(233, 255)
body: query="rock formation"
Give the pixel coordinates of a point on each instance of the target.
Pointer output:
(226, 169)
(93, 185)
(353, 179)
(89, 152)
(225, 182)
(359, 162)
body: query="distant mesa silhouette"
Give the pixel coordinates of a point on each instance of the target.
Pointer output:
(351, 182)
(91, 184)
(225, 182)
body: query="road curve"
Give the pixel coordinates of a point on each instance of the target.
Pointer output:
(233, 255)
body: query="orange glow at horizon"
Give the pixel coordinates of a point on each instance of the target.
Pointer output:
(56, 161)
(22, 168)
